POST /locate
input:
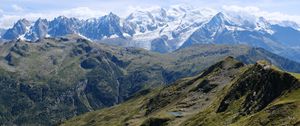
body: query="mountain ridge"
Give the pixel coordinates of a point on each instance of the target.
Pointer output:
(200, 100)
(167, 29)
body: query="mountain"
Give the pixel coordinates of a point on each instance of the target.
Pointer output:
(106, 27)
(175, 24)
(167, 29)
(62, 26)
(17, 31)
(227, 93)
(38, 30)
(139, 28)
(223, 29)
(54, 79)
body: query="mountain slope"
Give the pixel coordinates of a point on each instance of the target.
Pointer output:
(57, 78)
(227, 93)
(258, 97)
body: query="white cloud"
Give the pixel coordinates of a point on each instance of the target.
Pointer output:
(251, 10)
(7, 21)
(142, 8)
(17, 8)
(82, 13)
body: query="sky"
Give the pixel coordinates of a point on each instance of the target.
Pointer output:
(12, 10)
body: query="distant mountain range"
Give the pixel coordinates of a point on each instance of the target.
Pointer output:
(167, 29)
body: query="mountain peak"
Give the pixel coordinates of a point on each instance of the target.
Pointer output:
(264, 21)
(23, 21)
(61, 17)
(110, 17)
(39, 20)
(111, 14)
(220, 14)
(19, 28)
(219, 18)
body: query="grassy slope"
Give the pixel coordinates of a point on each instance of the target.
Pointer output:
(284, 110)
(159, 110)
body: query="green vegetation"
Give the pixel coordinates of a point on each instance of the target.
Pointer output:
(50, 81)
(227, 93)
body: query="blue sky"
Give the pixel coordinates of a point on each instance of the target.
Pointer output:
(11, 10)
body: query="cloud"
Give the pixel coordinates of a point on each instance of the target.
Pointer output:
(6, 20)
(17, 8)
(1, 13)
(82, 13)
(251, 10)
(132, 9)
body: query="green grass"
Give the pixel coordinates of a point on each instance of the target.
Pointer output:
(287, 111)
(114, 116)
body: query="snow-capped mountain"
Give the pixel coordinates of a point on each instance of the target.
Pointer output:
(61, 26)
(174, 24)
(38, 30)
(222, 29)
(104, 27)
(167, 29)
(18, 30)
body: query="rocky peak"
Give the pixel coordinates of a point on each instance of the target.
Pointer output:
(62, 25)
(22, 22)
(40, 20)
(110, 17)
(38, 30)
(219, 19)
(19, 28)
